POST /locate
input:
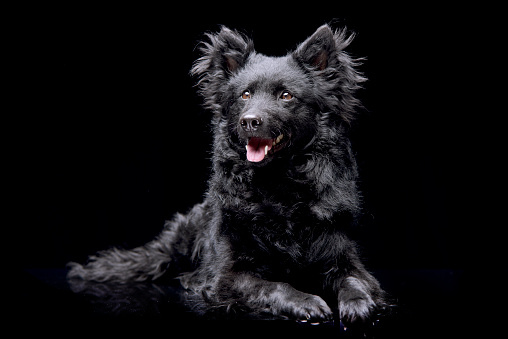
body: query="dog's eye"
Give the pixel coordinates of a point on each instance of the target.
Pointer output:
(246, 95)
(286, 96)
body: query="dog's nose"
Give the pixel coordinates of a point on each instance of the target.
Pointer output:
(250, 122)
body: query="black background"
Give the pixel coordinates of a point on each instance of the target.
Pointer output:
(108, 137)
(105, 138)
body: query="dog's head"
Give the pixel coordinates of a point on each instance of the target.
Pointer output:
(271, 104)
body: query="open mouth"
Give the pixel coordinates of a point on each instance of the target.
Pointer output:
(258, 148)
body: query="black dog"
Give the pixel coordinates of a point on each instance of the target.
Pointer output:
(270, 234)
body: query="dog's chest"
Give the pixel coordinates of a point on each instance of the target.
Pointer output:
(269, 227)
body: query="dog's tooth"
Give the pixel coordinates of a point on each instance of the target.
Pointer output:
(246, 148)
(266, 149)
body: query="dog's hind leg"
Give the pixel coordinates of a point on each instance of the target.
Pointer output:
(147, 262)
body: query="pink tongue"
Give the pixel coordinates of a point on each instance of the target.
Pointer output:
(256, 149)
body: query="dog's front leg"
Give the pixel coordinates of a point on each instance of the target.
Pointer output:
(359, 294)
(275, 297)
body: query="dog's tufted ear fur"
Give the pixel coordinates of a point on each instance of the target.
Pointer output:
(223, 55)
(319, 50)
(333, 70)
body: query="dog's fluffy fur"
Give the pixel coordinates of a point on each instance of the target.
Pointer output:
(270, 234)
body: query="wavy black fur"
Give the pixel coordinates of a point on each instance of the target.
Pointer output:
(270, 235)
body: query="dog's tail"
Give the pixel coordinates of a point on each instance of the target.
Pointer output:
(175, 245)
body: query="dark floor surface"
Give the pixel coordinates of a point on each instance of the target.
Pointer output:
(430, 304)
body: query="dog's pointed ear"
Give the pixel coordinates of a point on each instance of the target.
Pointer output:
(319, 51)
(227, 50)
(223, 55)
(333, 70)
(231, 49)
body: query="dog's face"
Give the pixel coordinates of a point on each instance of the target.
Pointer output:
(266, 107)
(270, 105)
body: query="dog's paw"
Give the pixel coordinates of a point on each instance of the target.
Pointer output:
(355, 303)
(312, 307)
(358, 309)
(304, 307)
